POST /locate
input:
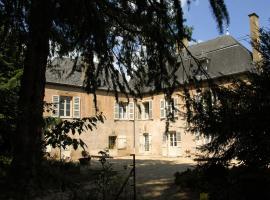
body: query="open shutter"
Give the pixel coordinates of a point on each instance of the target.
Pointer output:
(139, 111)
(55, 101)
(178, 137)
(150, 110)
(150, 142)
(116, 110)
(176, 106)
(141, 144)
(131, 110)
(76, 107)
(162, 108)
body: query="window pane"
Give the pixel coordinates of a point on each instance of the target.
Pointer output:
(62, 106)
(68, 106)
(112, 140)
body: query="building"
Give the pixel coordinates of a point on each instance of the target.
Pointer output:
(139, 126)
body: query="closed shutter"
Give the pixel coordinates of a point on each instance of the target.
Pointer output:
(122, 142)
(162, 108)
(55, 101)
(116, 110)
(150, 110)
(76, 107)
(131, 110)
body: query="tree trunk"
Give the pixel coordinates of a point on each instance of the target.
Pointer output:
(27, 141)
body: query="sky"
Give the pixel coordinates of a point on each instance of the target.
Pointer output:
(200, 17)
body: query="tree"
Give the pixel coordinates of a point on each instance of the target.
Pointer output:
(138, 34)
(236, 117)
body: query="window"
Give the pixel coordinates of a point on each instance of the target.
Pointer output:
(169, 108)
(173, 142)
(200, 71)
(66, 106)
(145, 110)
(175, 138)
(64, 110)
(112, 142)
(124, 110)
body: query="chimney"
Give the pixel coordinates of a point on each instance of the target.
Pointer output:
(183, 45)
(255, 36)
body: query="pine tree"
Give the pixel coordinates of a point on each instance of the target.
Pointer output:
(236, 117)
(138, 34)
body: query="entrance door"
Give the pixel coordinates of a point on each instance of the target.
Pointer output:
(174, 140)
(145, 143)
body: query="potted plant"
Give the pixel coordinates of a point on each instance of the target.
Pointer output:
(85, 160)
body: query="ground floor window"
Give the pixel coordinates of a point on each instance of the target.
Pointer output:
(112, 142)
(173, 141)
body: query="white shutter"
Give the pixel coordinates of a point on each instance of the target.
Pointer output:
(150, 110)
(122, 142)
(76, 107)
(150, 142)
(178, 137)
(116, 110)
(162, 108)
(178, 140)
(176, 107)
(55, 101)
(141, 140)
(131, 110)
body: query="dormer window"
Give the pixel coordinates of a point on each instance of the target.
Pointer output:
(201, 70)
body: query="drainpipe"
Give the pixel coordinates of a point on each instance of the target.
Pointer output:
(134, 126)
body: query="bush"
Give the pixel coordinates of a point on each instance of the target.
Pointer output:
(238, 183)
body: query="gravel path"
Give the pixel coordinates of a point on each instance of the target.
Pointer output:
(155, 176)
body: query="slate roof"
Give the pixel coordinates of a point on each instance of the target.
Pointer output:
(224, 55)
(62, 71)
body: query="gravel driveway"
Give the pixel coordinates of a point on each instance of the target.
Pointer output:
(155, 176)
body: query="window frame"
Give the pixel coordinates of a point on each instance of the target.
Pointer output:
(61, 100)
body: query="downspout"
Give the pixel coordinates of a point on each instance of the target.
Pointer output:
(134, 127)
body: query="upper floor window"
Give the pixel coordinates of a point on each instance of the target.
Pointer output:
(145, 110)
(169, 108)
(66, 106)
(124, 110)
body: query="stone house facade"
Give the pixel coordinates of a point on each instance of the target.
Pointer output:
(139, 126)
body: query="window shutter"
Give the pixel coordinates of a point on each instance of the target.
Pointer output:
(164, 138)
(176, 106)
(141, 140)
(122, 142)
(116, 110)
(150, 110)
(162, 108)
(139, 111)
(131, 110)
(76, 107)
(150, 142)
(178, 138)
(55, 101)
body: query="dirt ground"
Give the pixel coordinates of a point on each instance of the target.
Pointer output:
(155, 176)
